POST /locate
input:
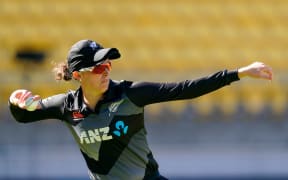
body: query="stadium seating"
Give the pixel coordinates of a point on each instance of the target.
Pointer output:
(182, 40)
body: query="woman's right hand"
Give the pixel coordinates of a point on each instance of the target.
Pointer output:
(25, 99)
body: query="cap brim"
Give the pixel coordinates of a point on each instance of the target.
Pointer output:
(106, 53)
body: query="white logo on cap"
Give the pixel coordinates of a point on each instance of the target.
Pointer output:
(93, 45)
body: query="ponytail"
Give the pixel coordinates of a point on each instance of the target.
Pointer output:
(62, 72)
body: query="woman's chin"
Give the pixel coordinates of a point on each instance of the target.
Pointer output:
(105, 84)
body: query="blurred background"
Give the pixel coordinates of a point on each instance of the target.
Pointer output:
(239, 131)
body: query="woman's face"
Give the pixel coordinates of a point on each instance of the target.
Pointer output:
(98, 78)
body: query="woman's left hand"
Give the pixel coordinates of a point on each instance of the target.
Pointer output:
(256, 70)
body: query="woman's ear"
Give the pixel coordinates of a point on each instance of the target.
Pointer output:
(76, 75)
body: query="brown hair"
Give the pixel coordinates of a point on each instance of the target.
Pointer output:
(62, 72)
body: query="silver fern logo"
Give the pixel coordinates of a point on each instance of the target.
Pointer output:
(114, 106)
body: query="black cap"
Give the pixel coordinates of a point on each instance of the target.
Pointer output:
(87, 53)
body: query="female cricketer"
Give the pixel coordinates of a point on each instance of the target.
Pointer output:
(106, 117)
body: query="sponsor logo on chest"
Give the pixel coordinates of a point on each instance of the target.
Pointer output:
(95, 135)
(102, 134)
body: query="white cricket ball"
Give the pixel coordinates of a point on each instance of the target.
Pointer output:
(14, 98)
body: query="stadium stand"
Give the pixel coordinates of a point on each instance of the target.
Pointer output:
(183, 40)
